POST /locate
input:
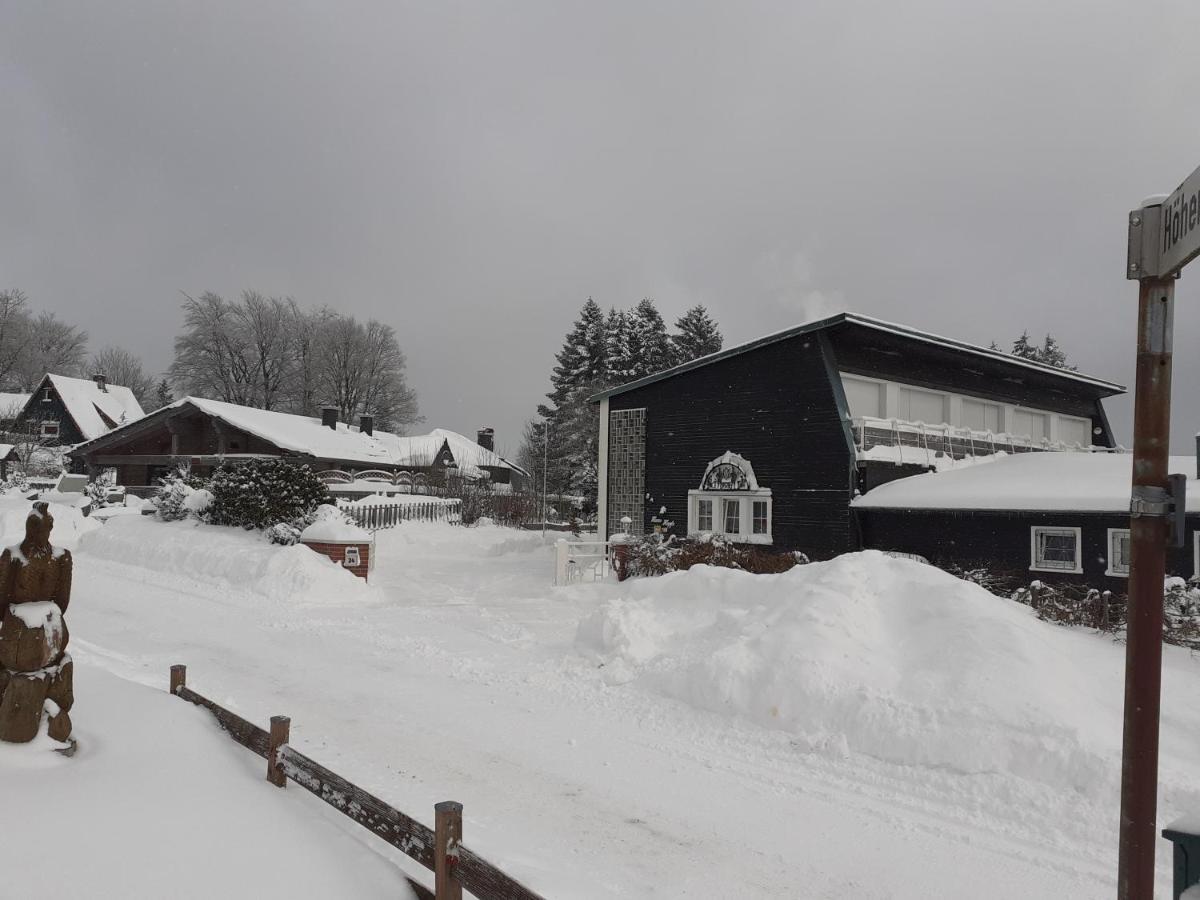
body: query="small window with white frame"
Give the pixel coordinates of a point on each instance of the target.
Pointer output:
(1118, 552)
(730, 503)
(50, 429)
(1055, 550)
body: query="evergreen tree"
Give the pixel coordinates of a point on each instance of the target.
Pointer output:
(619, 368)
(648, 341)
(581, 359)
(696, 335)
(162, 396)
(1049, 352)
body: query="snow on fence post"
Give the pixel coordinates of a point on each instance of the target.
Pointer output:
(447, 831)
(281, 727)
(178, 678)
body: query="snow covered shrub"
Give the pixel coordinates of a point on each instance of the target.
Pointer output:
(1181, 613)
(98, 489)
(259, 493)
(998, 583)
(283, 533)
(656, 554)
(174, 489)
(16, 482)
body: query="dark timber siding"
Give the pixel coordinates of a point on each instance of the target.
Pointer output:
(39, 410)
(1000, 541)
(774, 406)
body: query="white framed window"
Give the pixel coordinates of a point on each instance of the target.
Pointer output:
(918, 405)
(761, 517)
(1055, 550)
(731, 515)
(979, 415)
(1118, 552)
(1034, 424)
(49, 429)
(730, 503)
(865, 398)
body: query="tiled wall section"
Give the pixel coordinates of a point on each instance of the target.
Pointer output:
(626, 468)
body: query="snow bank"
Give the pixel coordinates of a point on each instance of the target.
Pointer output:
(158, 802)
(874, 655)
(70, 525)
(442, 538)
(244, 560)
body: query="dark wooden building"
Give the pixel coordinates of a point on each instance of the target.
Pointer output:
(769, 442)
(1050, 517)
(68, 411)
(202, 434)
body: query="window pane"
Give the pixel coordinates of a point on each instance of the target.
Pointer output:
(1056, 549)
(1118, 560)
(1075, 431)
(760, 516)
(1036, 425)
(922, 406)
(980, 416)
(733, 516)
(704, 515)
(863, 397)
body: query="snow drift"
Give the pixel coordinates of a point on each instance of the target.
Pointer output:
(243, 560)
(70, 525)
(879, 656)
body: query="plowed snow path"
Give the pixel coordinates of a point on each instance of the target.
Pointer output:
(459, 680)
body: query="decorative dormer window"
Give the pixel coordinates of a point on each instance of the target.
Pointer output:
(730, 502)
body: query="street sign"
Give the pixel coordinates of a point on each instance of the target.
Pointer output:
(1164, 235)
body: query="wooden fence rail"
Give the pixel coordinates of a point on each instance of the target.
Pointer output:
(374, 516)
(440, 849)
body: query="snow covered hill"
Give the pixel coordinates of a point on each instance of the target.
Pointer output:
(867, 727)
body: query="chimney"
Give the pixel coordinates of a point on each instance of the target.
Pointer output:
(329, 417)
(101, 381)
(366, 424)
(486, 438)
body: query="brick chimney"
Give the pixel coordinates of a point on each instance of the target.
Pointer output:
(366, 424)
(329, 417)
(101, 381)
(486, 438)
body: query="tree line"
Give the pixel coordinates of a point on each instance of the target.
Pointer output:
(260, 351)
(602, 350)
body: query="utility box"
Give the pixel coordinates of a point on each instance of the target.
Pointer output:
(347, 545)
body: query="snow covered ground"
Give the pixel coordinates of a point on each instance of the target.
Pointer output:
(867, 727)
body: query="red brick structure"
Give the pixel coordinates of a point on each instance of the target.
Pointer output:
(338, 551)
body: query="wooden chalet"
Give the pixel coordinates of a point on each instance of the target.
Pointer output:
(770, 441)
(204, 434)
(69, 411)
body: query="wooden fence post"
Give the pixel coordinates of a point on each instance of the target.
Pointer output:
(281, 727)
(178, 678)
(447, 832)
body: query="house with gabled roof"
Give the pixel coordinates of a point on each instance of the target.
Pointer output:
(203, 434)
(70, 411)
(769, 442)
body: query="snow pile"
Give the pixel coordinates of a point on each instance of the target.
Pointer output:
(874, 655)
(158, 802)
(242, 560)
(69, 523)
(408, 539)
(331, 525)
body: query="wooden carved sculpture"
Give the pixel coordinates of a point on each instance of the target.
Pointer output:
(35, 588)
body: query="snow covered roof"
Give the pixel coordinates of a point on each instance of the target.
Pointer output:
(875, 325)
(1058, 482)
(12, 402)
(346, 443)
(96, 412)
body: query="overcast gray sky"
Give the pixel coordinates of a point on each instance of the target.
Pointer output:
(471, 173)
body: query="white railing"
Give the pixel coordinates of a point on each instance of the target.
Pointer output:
(918, 442)
(581, 561)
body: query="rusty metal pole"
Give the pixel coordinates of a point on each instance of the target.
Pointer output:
(1148, 528)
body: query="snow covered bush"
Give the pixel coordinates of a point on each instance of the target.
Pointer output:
(174, 491)
(16, 482)
(283, 533)
(99, 488)
(656, 554)
(259, 493)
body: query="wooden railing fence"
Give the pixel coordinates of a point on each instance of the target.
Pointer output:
(373, 517)
(456, 868)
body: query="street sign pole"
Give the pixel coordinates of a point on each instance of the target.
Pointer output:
(1148, 529)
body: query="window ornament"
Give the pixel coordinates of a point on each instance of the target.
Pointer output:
(729, 472)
